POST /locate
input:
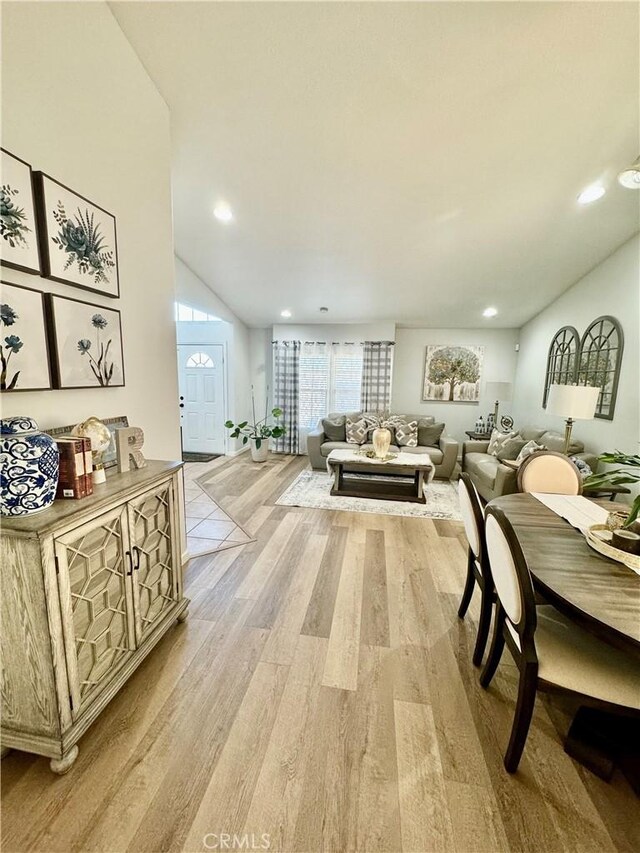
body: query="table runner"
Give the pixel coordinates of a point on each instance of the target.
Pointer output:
(580, 512)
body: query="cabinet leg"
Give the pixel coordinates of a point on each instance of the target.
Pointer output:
(184, 615)
(62, 765)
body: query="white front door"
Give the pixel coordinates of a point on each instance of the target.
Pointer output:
(201, 382)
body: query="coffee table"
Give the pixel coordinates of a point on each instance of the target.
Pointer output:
(401, 479)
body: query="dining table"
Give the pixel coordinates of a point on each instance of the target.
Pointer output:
(602, 596)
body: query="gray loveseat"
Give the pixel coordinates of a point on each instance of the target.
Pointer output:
(443, 453)
(493, 479)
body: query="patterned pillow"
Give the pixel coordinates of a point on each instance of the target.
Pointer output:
(498, 440)
(407, 434)
(529, 448)
(356, 430)
(583, 467)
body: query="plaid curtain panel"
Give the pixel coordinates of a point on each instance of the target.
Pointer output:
(375, 394)
(286, 392)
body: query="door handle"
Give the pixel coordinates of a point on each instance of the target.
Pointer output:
(130, 572)
(181, 405)
(136, 551)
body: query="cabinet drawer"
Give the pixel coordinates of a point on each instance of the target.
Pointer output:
(94, 579)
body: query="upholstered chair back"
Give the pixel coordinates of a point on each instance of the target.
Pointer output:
(550, 472)
(511, 576)
(471, 511)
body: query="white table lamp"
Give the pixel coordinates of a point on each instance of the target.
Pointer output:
(501, 392)
(573, 402)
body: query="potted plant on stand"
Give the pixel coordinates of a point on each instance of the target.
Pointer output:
(259, 431)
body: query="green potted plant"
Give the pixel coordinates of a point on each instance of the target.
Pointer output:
(259, 431)
(620, 476)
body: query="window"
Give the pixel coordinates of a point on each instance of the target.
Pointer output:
(330, 378)
(187, 314)
(200, 359)
(314, 384)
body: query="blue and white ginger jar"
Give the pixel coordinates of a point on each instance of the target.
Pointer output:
(29, 465)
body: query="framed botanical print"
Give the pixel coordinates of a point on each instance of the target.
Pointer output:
(86, 341)
(24, 351)
(77, 238)
(19, 248)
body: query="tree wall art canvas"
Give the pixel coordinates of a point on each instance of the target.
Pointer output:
(86, 341)
(452, 373)
(77, 238)
(24, 354)
(19, 247)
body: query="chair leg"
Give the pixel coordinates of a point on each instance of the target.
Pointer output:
(522, 719)
(468, 586)
(486, 606)
(495, 652)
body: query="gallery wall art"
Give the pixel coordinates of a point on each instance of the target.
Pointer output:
(86, 341)
(19, 247)
(24, 353)
(452, 373)
(77, 238)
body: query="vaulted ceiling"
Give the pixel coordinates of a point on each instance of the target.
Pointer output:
(413, 162)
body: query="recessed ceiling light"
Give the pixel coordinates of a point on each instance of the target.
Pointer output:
(286, 313)
(223, 212)
(489, 312)
(630, 177)
(592, 193)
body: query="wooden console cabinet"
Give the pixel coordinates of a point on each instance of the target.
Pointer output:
(88, 589)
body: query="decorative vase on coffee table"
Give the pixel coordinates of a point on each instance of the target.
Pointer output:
(381, 440)
(29, 461)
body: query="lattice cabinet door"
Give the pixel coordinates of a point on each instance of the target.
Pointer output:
(94, 577)
(156, 561)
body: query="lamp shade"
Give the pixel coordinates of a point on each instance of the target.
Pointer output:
(499, 391)
(573, 401)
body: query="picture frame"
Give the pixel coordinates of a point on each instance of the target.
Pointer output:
(109, 456)
(24, 346)
(78, 238)
(19, 237)
(452, 373)
(86, 343)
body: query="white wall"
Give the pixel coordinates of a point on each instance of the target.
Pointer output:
(408, 374)
(192, 291)
(613, 287)
(340, 332)
(77, 104)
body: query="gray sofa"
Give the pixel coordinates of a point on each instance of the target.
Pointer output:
(444, 454)
(493, 479)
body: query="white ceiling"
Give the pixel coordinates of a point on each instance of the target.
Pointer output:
(412, 162)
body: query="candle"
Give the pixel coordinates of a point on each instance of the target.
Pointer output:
(626, 540)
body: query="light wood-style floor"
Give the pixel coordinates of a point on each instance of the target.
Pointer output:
(322, 693)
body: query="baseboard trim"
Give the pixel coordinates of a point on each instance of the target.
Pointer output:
(232, 453)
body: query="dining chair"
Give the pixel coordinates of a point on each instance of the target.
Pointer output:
(478, 568)
(551, 652)
(550, 472)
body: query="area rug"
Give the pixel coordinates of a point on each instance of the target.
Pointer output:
(311, 489)
(187, 456)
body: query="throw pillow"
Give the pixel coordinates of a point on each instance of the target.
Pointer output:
(407, 434)
(334, 428)
(511, 448)
(529, 448)
(429, 434)
(498, 440)
(356, 430)
(582, 466)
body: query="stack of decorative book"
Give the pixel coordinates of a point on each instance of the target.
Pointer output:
(76, 467)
